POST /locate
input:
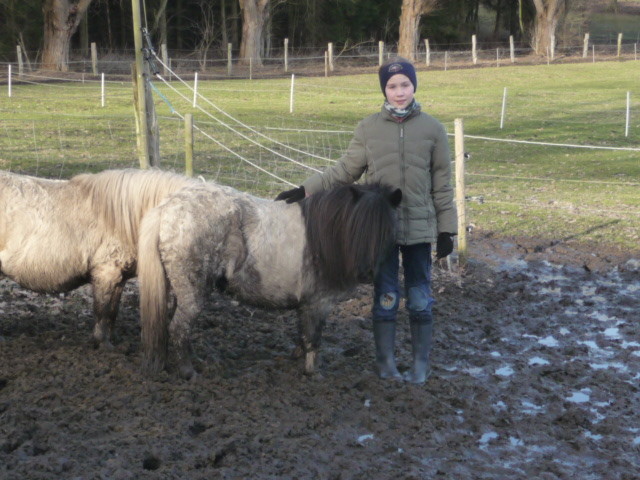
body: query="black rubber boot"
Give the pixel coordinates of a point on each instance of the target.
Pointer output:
(384, 334)
(421, 333)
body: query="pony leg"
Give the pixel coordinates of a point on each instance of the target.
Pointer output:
(106, 302)
(311, 320)
(186, 311)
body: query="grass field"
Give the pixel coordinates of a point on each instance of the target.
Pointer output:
(550, 192)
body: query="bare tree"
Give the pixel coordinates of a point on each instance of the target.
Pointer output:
(206, 31)
(412, 11)
(61, 20)
(255, 18)
(549, 13)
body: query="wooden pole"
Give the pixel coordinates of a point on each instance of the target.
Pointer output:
(460, 191)
(286, 55)
(585, 46)
(380, 53)
(427, 53)
(165, 59)
(229, 59)
(94, 58)
(141, 97)
(20, 64)
(330, 50)
(619, 44)
(188, 145)
(512, 50)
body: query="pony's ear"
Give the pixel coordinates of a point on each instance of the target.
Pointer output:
(395, 197)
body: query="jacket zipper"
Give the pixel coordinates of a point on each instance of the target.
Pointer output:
(405, 209)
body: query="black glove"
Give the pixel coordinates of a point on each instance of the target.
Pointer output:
(291, 196)
(445, 244)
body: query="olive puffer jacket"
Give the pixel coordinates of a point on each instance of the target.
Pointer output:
(412, 155)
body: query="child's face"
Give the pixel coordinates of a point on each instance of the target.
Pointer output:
(399, 91)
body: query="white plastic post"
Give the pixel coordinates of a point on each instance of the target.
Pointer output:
(195, 89)
(446, 59)
(626, 128)
(504, 107)
(326, 64)
(474, 52)
(291, 95)
(102, 89)
(497, 57)
(9, 80)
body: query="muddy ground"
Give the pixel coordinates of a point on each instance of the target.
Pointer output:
(536, 375)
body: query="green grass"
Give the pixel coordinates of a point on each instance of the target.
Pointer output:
(552, 193)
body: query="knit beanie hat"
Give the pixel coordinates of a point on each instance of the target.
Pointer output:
(394, 66)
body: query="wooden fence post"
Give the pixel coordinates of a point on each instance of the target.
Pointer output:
(380, 53)
(188, 145)
(94, 58)
(20, 64)
(427, 52)
(585, 46)
(619, 44)
(460, 191)
(165, 59)
(229, 59)
(330, 50)
(512, 50)
(286, 55)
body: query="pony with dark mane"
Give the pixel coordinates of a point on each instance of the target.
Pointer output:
(56, 235)
(303, 256)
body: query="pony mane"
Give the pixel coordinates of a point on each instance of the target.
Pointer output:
(122, 197)
(348, 229)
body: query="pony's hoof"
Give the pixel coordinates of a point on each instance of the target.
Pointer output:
(417, 378)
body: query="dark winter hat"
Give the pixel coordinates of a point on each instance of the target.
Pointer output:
(394, 66)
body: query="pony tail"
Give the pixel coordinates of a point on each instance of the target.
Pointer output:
(153, 295)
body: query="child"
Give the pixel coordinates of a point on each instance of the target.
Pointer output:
(408, 149)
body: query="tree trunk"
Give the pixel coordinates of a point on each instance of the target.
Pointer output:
(548, 16)
(61, 20)
(254, 16)
(410, 15)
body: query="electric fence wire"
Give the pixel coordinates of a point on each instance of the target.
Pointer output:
(251, 129)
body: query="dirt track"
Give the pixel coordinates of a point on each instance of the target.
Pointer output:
(536, 374)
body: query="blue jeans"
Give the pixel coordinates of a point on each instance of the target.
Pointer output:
(416, 261)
